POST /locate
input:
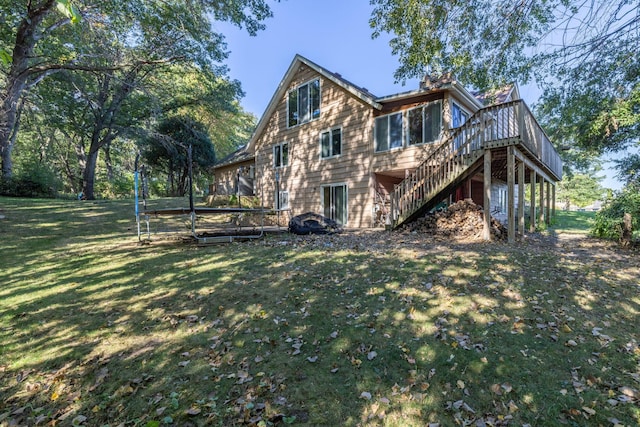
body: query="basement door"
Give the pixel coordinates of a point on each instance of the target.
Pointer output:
(334, 202)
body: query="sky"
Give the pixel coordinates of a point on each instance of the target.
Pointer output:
(334, 34)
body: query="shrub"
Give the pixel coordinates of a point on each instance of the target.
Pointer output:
(608, 221)
(34, 180)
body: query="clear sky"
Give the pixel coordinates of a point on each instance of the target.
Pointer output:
(334, 34)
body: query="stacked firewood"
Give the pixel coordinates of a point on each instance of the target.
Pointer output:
(461, 220)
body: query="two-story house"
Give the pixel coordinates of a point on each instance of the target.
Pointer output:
(329, 146)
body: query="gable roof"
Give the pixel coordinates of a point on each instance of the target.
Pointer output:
(238, 156)
(361, 93)
(499, 95)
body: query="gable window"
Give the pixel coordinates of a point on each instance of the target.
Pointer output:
(425, 123)
(280, 155)
(331, 143)
(388, 132)
(303, 103)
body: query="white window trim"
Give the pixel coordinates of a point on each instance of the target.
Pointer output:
(402, 137)
(283, 143)
(467, 112)
(408, 131)
(346, 193)
(330, 131)
(278, 200)
(319, 106)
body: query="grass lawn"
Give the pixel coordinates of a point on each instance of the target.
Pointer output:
(365, 329)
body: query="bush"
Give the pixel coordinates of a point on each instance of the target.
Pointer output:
(608, 221)
(34, 180)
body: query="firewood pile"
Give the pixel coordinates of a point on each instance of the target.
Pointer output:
(461, 220)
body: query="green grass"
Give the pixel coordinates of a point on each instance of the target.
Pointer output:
(574, 222)
(355, 329)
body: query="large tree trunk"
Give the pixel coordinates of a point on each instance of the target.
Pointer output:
(16, 79)
(89, 175)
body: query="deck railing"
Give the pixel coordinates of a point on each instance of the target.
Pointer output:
(499, 125)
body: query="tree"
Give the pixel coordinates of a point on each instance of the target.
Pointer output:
(37, 41)
(580, 190)
(583, 53)
(166, 152)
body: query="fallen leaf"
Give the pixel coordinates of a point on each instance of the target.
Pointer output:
(184, 363)
(193, 411)
(312, 359)
(588, 410)
(372, 355)
(79, 420)
(571, 343)
(365, 395)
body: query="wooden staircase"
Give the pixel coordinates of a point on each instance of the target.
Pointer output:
(460, 155)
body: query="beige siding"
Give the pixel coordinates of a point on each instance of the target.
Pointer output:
(358, 163)
(306, 171)
(226, 176)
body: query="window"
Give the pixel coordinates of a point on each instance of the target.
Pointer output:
(425, 123)
(331, 143)
(304, 103)
(282, 200)
(388, 132)
(460, 116)
(334, 202)
(280, 155)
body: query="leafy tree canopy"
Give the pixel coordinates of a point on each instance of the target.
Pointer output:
(584, 54)
(167, 151)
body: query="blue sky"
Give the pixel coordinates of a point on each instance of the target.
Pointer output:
(332, 33)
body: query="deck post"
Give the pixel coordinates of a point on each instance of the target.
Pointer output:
(532, 204)
(553, 203)
(521, 175)
(511, 201)
(486, 230)
(547, 216)
(541, 208)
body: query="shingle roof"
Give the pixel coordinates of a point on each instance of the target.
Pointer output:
(240, 155)
(495, 96)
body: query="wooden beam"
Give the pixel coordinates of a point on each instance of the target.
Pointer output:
(511, 197)
(486, 230)
(547, 210)
(521, 175)
(532, 204)
(541, 208)
(553, 203)
(531, 165)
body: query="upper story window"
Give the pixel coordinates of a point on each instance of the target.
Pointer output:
(304, 103)
(458, 116)
(425, 123)
(331, 143)
(388, 132)
(280, 155)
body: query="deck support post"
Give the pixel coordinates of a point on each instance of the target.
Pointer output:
(521, 175)
(532, 204)
(486, 230)
(511, 200)
(553, 203)
(547, 216)
(541, 208)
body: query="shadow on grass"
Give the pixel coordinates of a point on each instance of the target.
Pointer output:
(337, 330)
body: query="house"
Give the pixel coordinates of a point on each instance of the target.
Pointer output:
(235, 173)
(329, 146)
